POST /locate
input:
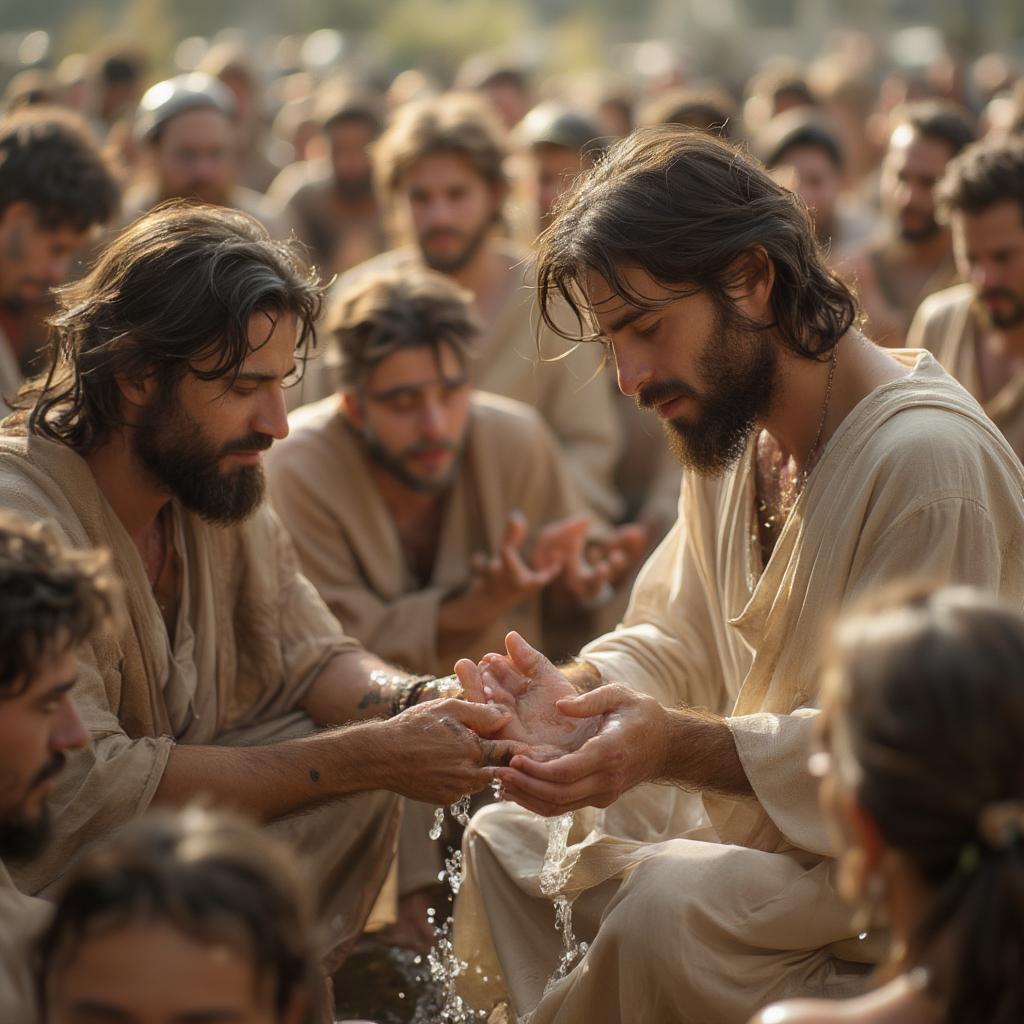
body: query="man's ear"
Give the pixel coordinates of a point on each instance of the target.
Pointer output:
(351, 407)
(862, 828)
(751, 278)
(136, 391)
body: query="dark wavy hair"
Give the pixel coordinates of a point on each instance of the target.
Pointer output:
(49, 160)
(52, 598)
(175, 288)
(691, 211)
(213, 877)
(928, 686)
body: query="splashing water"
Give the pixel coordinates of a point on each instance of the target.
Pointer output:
(554, 877)
(445, 967)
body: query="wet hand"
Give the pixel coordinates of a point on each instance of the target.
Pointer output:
(528, 687)
(628, 748)
(444, 749)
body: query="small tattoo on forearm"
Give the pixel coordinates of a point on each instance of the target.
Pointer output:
(374, 696)
(314, 775)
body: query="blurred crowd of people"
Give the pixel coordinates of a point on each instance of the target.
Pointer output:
(448, 470)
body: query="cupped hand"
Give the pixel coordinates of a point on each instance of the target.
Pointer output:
(628, 748)
(528, 687)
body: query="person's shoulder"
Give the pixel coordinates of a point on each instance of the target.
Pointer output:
(941, 305)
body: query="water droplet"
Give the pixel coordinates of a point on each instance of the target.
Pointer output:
(862, 936)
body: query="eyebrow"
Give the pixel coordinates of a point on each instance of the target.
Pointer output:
(60, 689)
(627, 318)
(263, 375)
(409, 389)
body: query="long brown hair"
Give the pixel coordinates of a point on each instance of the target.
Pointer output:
(175, 288)
(690, 210)
(929, 691)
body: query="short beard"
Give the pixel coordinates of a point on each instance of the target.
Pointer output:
(394, 465)
(1006, 321)
(458, 261)
(354, 190)
(172, 447)
(739, 390)
(23, 840)
(921, 234)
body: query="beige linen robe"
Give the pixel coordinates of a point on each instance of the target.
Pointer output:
(22, 919)
(320, 485)
(569, 392)
(947, 324)
(251, 636)
(703, 910)
(10, 375)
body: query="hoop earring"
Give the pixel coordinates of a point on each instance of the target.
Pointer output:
(866, 914)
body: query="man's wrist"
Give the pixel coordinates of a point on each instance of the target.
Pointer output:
(583, 674)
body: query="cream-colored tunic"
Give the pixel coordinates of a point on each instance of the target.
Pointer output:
(947, 325)
(320, 485)
(22, 918)
(251, 636)
(568, 392)
(10, 375)
(711, 907)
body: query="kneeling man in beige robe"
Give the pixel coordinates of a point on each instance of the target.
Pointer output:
(229, 678)
(433, 518)
(818, 467)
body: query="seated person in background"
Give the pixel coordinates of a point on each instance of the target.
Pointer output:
(432, 518)
(330, 198)
(914, 258)
(800, 144)
(229, 674)
(192, 916)
(187, 128)
(976, 330)
(51, 601)
(55, 190)
(922, 767)
(440, 166)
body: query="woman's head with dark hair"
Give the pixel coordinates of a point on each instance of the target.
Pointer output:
(923, 717)
(188, 311)
(676, 229)
(188, 915)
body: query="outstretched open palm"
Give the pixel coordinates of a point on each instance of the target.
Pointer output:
(525, 682)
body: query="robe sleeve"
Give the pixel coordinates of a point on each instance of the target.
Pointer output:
(664, 646)
(940, 539)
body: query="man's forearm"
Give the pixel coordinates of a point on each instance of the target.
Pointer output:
(270, 781)
(701, 754)
(353, 687)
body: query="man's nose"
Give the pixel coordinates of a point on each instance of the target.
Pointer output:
(630, 370)
(433, 419)
(272, 415)
(69, 732)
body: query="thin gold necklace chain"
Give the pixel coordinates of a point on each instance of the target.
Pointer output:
(824, 416)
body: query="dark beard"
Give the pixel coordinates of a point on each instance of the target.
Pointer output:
(741, 391)
(1003, 321)
(921, 234)
(456, 262)
(354, 190)
(20, 838)
(174, 450)
(23, 840)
